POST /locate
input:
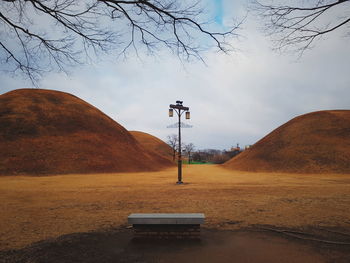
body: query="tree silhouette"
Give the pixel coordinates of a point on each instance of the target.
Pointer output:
(172, 141)
(189, 148)
(39, 36)
(296, 26)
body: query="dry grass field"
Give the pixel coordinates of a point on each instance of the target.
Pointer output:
(37, 208)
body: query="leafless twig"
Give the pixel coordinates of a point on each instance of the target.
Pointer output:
(296, 26)
(39, 36)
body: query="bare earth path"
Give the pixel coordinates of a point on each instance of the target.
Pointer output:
(39, 208)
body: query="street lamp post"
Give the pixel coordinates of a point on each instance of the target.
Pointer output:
(179, 109)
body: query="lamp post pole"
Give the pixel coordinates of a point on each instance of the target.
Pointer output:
(179, 159)
(179, 109)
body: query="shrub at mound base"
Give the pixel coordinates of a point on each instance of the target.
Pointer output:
(153, 144)
(318, 142)
(51, 132)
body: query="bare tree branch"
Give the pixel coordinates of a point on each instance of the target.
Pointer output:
(188, 149)
(297, 27)
(172, 141)
(39, 36)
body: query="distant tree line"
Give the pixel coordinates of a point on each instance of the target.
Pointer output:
(202, 156)
(214, 156)
(187, 148)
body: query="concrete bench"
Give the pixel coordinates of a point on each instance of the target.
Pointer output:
(166, 225)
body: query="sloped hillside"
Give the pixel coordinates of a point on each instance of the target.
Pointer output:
(52, 132)
(153, 144)
(317, 142)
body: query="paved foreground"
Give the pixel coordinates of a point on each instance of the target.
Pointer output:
(215, 246)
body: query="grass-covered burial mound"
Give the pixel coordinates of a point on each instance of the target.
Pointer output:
(318, 142)
(52, 132)
(153, 144)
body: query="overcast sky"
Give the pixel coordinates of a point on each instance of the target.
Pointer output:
(238, 98)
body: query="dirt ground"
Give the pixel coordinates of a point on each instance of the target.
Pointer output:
(45, 208)
(115, 245)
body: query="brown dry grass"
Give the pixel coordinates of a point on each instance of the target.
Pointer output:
(317, 142)
(36, 208)
(52, 132)
(153, 144)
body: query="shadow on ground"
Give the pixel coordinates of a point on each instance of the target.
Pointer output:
(118, 245)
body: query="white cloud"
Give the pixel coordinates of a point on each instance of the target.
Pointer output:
(238, 98)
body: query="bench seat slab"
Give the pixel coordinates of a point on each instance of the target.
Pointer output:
(166, 219)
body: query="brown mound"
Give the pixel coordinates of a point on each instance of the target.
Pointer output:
(318, 142)
(51, 132)
(153, 144)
